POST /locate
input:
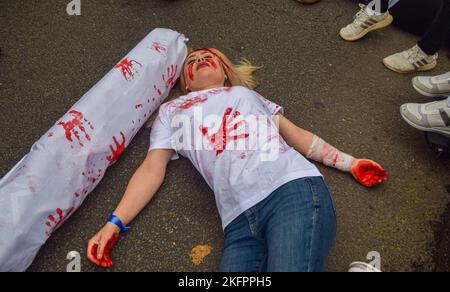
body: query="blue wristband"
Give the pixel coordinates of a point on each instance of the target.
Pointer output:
(116, 220)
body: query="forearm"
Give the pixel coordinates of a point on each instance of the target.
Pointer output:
(313, 147)
(323, 152)
(140, 190)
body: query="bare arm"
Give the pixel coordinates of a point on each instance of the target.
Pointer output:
(296, 137)
(367, 172)
(141, 188)
(143, 185)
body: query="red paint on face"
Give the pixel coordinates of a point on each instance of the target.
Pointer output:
(116, 153)
(191, 71)
(50, 134)
(220, 139)
(212, 62)
(126, 67)
(209, 60)
(106, 260)
(70, 127)
(369, 174)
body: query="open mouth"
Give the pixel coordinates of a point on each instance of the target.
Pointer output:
(202, 65)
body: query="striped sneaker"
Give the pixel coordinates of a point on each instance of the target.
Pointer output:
(428, 117)
(365, 21)
(435, 86)
(411, 60)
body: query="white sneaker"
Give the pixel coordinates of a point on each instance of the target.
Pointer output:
(364, 23)
(411, 60)
(428, 117)
(436, 86)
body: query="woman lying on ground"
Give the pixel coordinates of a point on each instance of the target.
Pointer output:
(277, 212)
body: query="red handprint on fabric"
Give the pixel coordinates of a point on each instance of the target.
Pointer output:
(171, 77)
(127, 68)
(116, 153)
(54, 222)
(77, 121)
(220, 139)
(156, 46)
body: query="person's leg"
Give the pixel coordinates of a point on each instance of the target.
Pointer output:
(380, 6)
(299, 226)
(423, 56)
(415, 16)
(367, 20)
(242, 252)
(438, 32)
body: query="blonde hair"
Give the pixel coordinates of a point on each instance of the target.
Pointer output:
(240, 74)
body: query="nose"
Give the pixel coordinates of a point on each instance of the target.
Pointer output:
(200, 59)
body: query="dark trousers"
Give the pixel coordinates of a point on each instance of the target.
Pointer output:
(438, 32)
(380, 6)
(427, 18)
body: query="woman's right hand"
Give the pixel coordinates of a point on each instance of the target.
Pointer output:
(368, 172)
(101, 245)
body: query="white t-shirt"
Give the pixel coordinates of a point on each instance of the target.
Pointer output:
(230, 136)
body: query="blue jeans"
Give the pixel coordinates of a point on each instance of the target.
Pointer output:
(291, 230)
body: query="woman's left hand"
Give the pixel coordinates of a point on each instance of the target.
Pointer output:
(368, 172)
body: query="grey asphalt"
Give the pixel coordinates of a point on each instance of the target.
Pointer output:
(336, 89)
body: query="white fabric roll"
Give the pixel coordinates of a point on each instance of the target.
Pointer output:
(67, 163)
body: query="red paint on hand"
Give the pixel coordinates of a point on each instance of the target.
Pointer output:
(369, 173)
(106, 260)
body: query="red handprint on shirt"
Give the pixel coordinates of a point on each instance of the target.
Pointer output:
(190, 102)
(126, 67)
(220, 139)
